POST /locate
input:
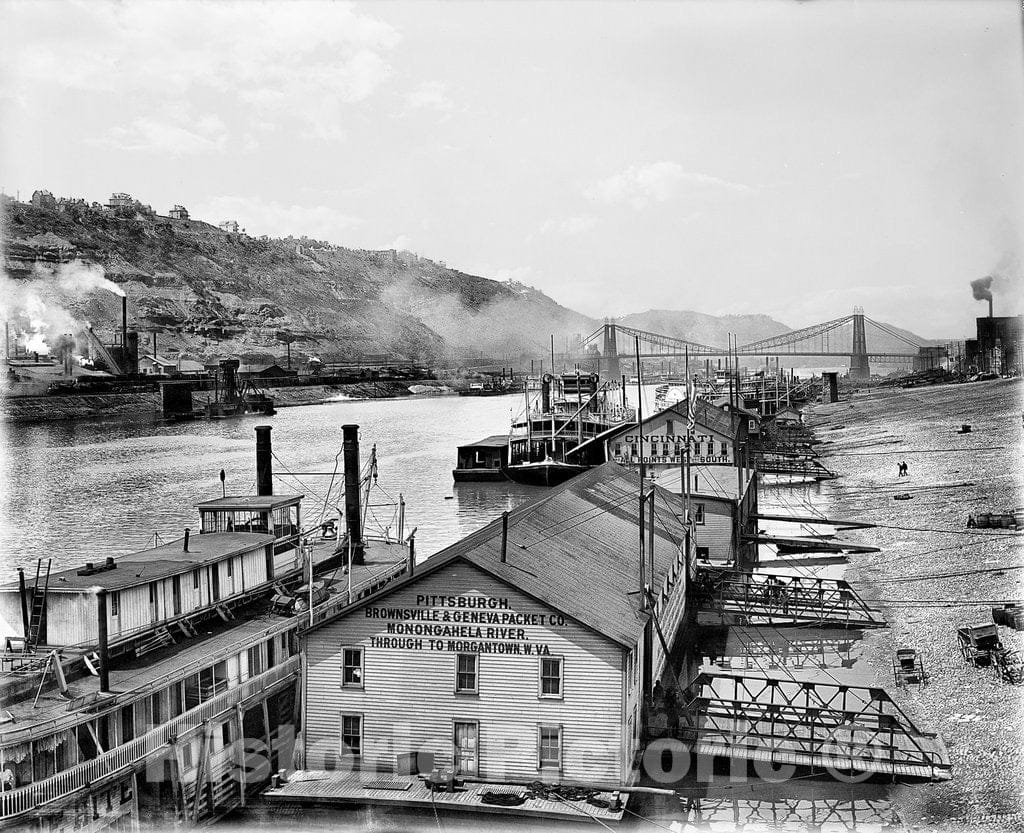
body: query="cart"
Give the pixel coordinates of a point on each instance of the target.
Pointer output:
(908, 668)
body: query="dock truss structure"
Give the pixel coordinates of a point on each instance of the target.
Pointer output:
(832, 726)
(778, 599)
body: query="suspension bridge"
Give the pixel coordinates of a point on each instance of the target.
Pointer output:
(841, 338)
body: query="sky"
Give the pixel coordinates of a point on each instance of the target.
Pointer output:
(789, 158)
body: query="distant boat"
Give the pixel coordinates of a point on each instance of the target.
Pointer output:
(546, 444)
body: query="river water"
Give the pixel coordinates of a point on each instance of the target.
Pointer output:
(83, 490)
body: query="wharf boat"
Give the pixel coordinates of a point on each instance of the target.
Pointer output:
(165, 683)
(482, 461)
(546, 444)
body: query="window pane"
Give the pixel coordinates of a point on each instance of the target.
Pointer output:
(550, 745)
(352, 672)
(351, 734)
(465, 678)
(551, 676)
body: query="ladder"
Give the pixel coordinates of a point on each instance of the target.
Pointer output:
(38, 611)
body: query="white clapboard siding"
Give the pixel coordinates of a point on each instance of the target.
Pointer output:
(71, 618)
(11, 620)
(408, 700)
(716, 533)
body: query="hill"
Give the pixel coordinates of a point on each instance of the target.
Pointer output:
(209, 292)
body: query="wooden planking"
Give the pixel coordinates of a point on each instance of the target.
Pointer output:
(335, 788)
(408, 700)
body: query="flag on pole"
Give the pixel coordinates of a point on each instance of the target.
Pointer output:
(691, 407)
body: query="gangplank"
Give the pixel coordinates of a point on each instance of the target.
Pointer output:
(783, 598)
(838, 523)
(823, 725)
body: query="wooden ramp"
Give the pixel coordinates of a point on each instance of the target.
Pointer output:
(821, 725)
(779, 599)
(838, 523)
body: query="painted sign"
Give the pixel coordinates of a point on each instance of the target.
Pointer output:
(463, 624)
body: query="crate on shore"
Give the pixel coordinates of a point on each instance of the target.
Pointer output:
(1010, 616)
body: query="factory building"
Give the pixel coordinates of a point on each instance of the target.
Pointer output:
(527, 650)
(998, 347)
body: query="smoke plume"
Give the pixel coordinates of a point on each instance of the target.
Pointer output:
(982, 288)
(36, 308)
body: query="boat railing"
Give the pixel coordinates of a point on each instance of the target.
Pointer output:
(23, 733)
(346, 597)
(128, 755)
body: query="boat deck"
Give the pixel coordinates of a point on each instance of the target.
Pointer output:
(215, 638)
(327, 788)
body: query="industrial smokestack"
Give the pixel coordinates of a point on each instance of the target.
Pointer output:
(264, 466)
(104, 652)
(981, 289)
(124, 325)
(353, 515)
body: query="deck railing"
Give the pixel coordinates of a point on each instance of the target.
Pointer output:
(25, 799)
(29, 731)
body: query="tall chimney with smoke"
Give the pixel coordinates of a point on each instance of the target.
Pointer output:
(124, 326)
(982, 291)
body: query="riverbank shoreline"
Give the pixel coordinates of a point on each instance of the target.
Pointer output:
(934, 575)
(147, 404)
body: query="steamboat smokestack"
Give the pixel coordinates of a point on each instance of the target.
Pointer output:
(104, 650)
(989, 306)
(264, 466)
(353, 515)
(124, 325)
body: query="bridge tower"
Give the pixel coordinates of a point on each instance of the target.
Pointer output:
(859, 368)
(610, 350)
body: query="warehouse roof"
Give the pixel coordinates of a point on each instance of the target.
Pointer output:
(574, 549)
(157, 563)
(708, 417)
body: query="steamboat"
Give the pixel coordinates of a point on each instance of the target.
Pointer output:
(169, 678)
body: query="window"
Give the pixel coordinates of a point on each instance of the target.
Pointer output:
(678, 449)
(352, 735)
(195, 579)
(115, 604)
(352, 667)
(549, 747)
(664, 449)
(670, 427)
(550, 676)
(698, 513)
(231, 568)
(633, 450)
(465, 673)
(725, 449)
(618, 449)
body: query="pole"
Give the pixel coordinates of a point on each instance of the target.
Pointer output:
(639, 412)
(101, 609)
(23, 593)
(579, 403)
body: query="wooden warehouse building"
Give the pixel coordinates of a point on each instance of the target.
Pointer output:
(524, 651)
